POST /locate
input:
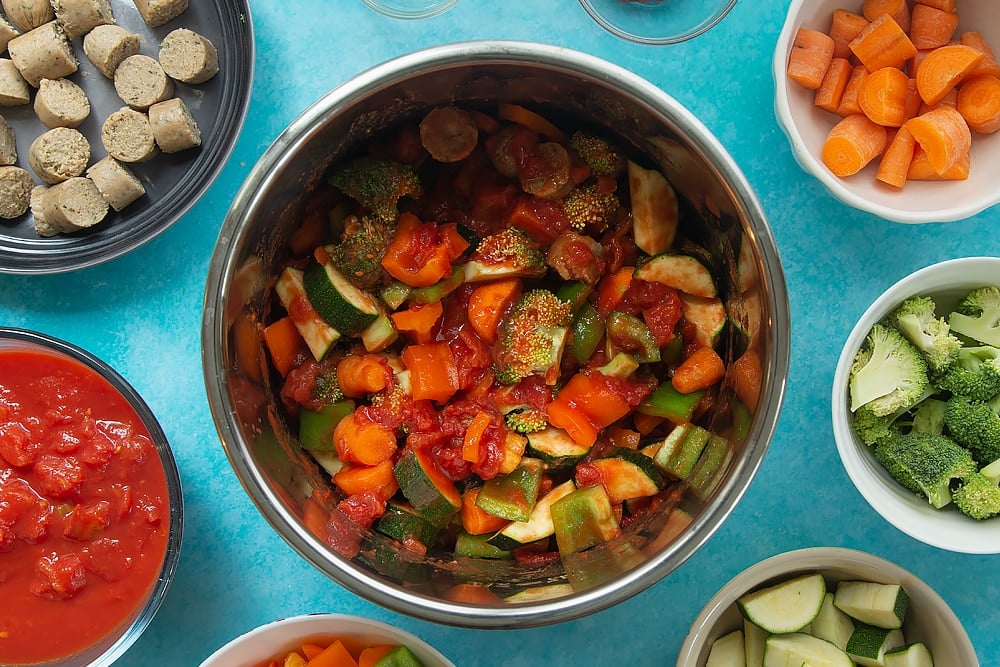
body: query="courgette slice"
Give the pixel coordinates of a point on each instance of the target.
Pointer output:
(832, 624)
(913, 655)
(627, 474)
(400, 656)
(728, 651)
(316, 426)
(541, 593)
(431, 494)
(554, 447)
(881, 605)
(679, 270)
(291, 291)
(401, 522)
(707, 315)
(338, 301)
(754, 637)
(584, 518)
(380, 334)
(681, 449)
(785, 607)
(712, 463)
(868, 644)
(798, 648)
(655, 211)
(538, 526)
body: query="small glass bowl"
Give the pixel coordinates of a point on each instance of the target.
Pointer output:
(410, 9)
(657, 21)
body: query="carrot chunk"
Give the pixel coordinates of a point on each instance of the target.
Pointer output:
(699, 371)
(844, 26)
(883, 96)
(899, 10)
(921, 169)
(944, 134)
(831, 90)
(849, 100)
(943, 69)
(988, 65)
(852, 143)
(943, 5)
(378, 479)
(810, 57)
(931, 28)
(978, 100)
(882, 44)
(896, 159)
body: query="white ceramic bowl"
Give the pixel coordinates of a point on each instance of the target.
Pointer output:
(277, 638)
(928, 619)
(807, 127)
(946, 282)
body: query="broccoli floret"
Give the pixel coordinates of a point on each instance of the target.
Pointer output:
(925, 463)
(872, 428)
(975, 375)
(508, 253)
(526, 421)
(532, 338)
(931, 335)
(600, 155)
(377, 184)
(327, 389)
(888, 373)
(929, 416)
(978, 316)
(590, 206)
(978, 497)
(975, 425)
(359, 254)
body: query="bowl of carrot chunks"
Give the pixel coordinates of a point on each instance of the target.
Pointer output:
(894, 105)
(327, 640)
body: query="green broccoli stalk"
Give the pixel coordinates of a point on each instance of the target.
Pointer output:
(925, 464)
(590, 206)
(978, 316)
(975, 425)
(929, 416)
(526, 420)
(915, 319)
(532, 338)
(978, 497)
(359, 253)
(976, 374)
(888, 373)
(992, 471)
(506, 254)
(377, 184)
(600, 155)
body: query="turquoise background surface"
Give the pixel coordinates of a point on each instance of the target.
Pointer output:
(142, 314)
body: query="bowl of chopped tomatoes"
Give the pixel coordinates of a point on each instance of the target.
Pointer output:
(514, 321)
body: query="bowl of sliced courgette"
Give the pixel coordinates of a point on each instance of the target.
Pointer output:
(827, 606)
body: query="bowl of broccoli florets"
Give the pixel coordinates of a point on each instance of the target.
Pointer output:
(916, 405)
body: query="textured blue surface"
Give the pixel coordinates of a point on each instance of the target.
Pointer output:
(142, 314)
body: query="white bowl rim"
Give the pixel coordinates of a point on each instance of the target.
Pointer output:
(818, 559)
(834, 185)
(902, 509)
(324, 623)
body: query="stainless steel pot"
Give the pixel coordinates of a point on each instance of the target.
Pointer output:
(251, 246)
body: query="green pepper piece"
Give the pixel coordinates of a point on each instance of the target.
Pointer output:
(316, 427)
(742, 418)
(512, 496)
(575, 292)
(583, 519)
(439, 290)
(478, 546)
(394, 294)
(401, 656)
(672, 354)
(630, 333)
(669, 403)
(588, 329)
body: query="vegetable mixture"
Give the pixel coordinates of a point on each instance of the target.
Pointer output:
(340, 653)
(501, 341)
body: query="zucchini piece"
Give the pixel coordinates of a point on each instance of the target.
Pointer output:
(329, 461)
(539, 526)
(479, 546)
(629, 474)
(380, 334)
(869, 644)
(319, 335)
(338, 301)
(797, 648)
(316, 426)
(711, 464)
(400, 522)
(555, 448)
(785, 607)
(881, 605)
(541, 593)
(583, 519)
(655, 211)
(394, 294)
(513, 496)
(728, 651)
(707, 315)
(681, 449)
(754, 637)
(679, 270)
(832, 624)
(671, 404)
(913, 655)
(476, 271)
(439, 290)
(431, 494)
(400, 656)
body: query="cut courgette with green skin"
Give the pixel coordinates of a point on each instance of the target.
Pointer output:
(868, 644)
(432, 495)
(728, 651)
(797, 648)
(706, 315)
(584, 518)
(479, 546)
(338, 301)
(317, 333)
(394, 294)
(541, 593)
(754, 638)
(554, 447)
(627, 473)
(401, 522)
(400, 656)
(655, 211)
(513, 496)
(832, 624)
(538, 526)
(680, 270)
(316, 426)
(380, 334)
(785, 607)
(881, 605)
(712, 463)
(681, 449)
(913, 655)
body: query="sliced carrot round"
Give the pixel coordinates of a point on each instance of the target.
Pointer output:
(943, 69)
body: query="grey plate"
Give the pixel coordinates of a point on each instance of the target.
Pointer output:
(173, 182)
